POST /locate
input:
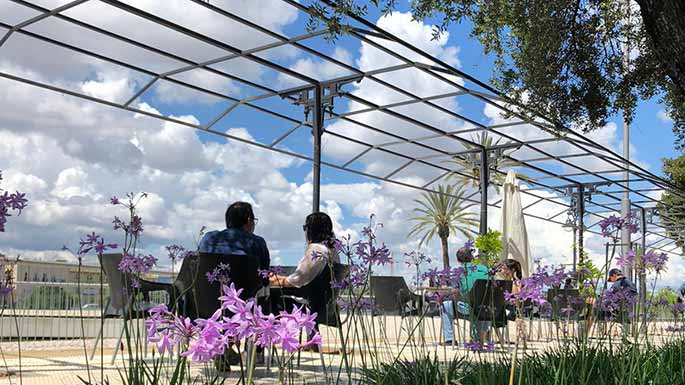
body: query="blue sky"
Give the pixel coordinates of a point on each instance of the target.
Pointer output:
(71, 156)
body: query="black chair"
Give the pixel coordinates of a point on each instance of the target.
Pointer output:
(321, 297)
(391, 296)
(488, 304)
(566, 303)
(121, 303)
(197, 297)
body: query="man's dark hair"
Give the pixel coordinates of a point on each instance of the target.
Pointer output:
(615, 271)
(319, 228)
(465, 255)
(238, 214)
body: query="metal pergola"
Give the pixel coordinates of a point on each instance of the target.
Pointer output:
(584, 179)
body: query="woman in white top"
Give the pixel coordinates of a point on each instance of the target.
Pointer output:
(320, 251)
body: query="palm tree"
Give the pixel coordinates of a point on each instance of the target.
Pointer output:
(442, 213)
(472, 167)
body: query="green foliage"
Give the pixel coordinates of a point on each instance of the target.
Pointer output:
(563, 59)
(581, 364)
(575, 364)
(490, 247)
(424, 371)
(671, 206)
(442, 213)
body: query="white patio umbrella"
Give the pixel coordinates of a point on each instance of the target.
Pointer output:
(514, 234)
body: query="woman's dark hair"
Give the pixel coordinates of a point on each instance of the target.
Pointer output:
(515, 267)
(319, 228)
(238, 214)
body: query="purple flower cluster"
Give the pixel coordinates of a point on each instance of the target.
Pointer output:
(220, 274)
(532, 287)
(203, 339)
(627, 259)
(95, 242)
(477, 347)
(135, 227)
(618, 301)
(177, 252)
(447, 277)
(675, 329)
(655, 261)
(10, 202)
(370, 254)
(612, 225)
(416, 258)
(273, 270)
(137, 264)
(357, 304)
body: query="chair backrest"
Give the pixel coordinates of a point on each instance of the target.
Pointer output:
(117, 282)
(487, 299)
(565, 303)
(389, 293)
(243, 273)
(322, 297)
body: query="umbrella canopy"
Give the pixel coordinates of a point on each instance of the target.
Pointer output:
(514, 235)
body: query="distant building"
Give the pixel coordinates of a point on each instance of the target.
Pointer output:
(33, 281)
(61, 271)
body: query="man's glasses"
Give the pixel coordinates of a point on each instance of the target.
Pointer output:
(304, 227)
(255, 220)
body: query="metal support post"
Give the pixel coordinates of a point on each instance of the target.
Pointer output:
(484, 181)
(581, 224)
(643, 273)
(317, 131)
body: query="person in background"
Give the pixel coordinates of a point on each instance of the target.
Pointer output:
(510, 270)
(311, 280)
(620, 282)
(237, 239)
(318, 253)
(449, 309)
(681, 294)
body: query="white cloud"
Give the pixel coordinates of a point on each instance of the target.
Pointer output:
(663, 116)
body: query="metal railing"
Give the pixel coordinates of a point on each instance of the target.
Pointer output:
(58, 310)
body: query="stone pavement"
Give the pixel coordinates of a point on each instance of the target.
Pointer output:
(63, 361)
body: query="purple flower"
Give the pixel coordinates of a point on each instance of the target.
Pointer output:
(612, 225)
(177, 252)
(340, 285)
(616, 301)
(653, 261)
(95, 242)
(114, 200)
(477, 347)
(273, 270)
(220, 274)
(137, 264)
(626, 259)
(469, 244)
(14, 202)
(416, 258)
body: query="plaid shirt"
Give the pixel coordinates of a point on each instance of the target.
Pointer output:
(236, 242)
